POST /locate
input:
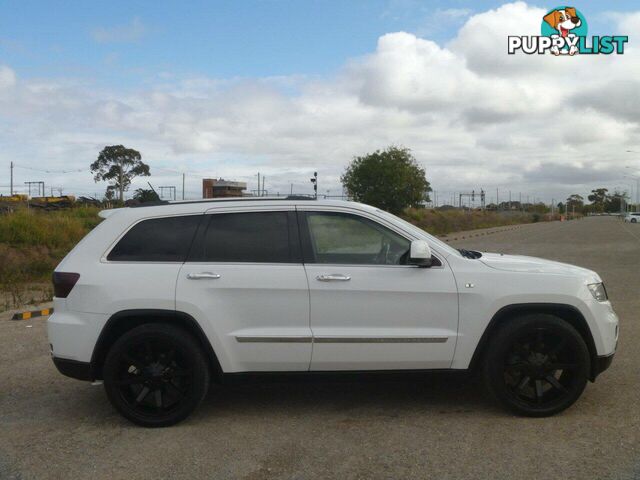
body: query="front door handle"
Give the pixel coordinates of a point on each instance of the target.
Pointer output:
(203, 276)
(333, 277)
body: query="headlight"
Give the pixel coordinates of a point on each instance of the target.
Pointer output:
(598, 291)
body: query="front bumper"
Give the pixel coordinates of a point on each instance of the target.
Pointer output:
(601, 364)
(74, 368)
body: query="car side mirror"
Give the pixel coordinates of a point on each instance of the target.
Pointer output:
(420, 254)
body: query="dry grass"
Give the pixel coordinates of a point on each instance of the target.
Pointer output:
(439, 222)
(32, 243)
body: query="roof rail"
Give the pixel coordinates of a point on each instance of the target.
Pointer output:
(227, 199)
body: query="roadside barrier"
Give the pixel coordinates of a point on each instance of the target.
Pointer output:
(32, 314)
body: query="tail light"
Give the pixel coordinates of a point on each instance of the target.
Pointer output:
(63, 282)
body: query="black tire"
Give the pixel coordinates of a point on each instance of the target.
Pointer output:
(633, 220)
(156, 375)
(537, 365)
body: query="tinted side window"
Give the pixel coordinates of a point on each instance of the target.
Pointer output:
(351, 239)
(257, 237)
(157, 240)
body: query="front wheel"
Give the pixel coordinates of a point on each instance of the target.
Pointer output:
(537, 365)
(156, 375)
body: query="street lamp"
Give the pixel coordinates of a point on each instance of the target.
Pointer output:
(637, 179)
(628, 185)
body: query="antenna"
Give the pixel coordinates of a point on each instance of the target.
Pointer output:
(154, 190)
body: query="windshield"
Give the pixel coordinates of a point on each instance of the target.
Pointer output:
(446, 249)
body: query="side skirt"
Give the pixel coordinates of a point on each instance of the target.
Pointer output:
(333, 376)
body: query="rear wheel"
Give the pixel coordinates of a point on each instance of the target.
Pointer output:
(537, 365)
(156, 375)
(633, 220)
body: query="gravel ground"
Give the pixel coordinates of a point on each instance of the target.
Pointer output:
(440, 426)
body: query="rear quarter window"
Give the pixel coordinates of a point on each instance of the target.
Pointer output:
(166, 239)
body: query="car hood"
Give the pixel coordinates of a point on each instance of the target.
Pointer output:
(521, 263)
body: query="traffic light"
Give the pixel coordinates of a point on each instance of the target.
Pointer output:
(314, 180)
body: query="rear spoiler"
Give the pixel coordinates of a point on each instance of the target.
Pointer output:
(108, 213)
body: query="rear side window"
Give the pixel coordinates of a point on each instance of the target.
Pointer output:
(255, 237)
(157, 240)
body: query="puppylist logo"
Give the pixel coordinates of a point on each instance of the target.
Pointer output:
(564, 32)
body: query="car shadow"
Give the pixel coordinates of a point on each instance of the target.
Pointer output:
(440, 393)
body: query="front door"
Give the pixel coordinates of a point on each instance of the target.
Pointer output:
(245, 284)
(370, 310)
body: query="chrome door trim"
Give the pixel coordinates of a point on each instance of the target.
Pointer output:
(380, 339)
(303, 339)
(267, 339)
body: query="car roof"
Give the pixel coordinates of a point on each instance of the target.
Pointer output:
(154, 209)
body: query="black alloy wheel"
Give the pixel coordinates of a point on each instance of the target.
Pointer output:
(537, 365)
(156, 375)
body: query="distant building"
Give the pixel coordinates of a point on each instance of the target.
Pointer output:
(219, 188)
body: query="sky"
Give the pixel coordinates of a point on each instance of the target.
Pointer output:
(285, 88)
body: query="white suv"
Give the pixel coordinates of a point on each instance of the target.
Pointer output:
(632, 217)
(158, 300)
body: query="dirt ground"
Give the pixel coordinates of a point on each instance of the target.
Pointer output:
(439, 426)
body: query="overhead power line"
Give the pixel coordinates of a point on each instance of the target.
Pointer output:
(48, 171)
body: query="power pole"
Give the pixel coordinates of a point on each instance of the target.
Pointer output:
(497, 200)
(259, 184)
(183, 185)
(11, 187)
(263, 179)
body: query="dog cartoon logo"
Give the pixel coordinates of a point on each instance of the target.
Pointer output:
(564, 32)
(566, 23)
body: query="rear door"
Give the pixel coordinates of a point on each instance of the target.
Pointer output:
(245, 283)
(370, 310)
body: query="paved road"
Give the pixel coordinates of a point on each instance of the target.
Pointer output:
(442, 427)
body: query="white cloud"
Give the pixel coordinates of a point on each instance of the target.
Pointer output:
(473, 115)
(131, 32)
(7, 77)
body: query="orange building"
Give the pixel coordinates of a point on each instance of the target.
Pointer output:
(220, 188)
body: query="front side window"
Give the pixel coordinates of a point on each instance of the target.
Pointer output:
(253, 237)
(349, 239)
(157, 240)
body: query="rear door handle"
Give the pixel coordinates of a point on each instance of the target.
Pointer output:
(203, 276)
(333, 277)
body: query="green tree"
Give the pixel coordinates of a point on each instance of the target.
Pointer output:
(144, 195)
(616, 202)
(390, 179)
(119, 165)
(598, 198)
(575, 202)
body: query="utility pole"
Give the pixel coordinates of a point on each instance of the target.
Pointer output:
(263, 179)
(259, 184)
(11, 187)
(497, 200)
(521, 207)
(183, 185)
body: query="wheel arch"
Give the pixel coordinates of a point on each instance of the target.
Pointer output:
(126, 320)
(568, 313)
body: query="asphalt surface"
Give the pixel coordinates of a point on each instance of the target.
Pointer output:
(440, 426)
